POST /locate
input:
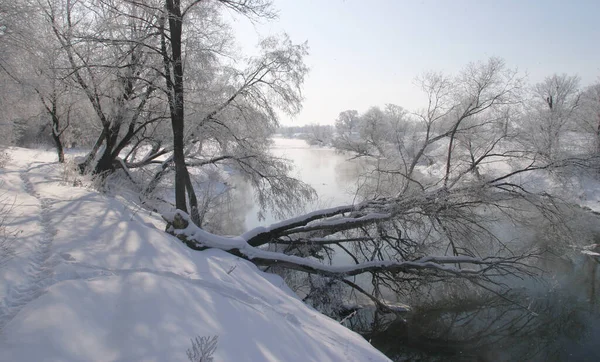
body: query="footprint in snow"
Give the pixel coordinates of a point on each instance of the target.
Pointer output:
(67, 257)
(292, 319)
(150, 225)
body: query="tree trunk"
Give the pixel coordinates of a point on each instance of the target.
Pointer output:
(182, 177)
(59, 147)
(105, 164)
(84, 166)
(157, 177)
(56, 135)
(194, 213)
(176, 100)
(598, 135)
(52, 110)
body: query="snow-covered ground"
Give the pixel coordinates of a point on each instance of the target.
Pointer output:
(96, 279)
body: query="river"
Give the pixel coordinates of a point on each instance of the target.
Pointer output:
(327, 171)
(554, 317)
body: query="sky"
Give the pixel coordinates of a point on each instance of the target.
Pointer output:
(367, 53)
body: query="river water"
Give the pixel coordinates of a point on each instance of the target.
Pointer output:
(555, 317)
(330, 173)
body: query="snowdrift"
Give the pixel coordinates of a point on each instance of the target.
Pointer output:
(96, 279)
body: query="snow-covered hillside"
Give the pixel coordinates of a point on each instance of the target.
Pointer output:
(96, 279)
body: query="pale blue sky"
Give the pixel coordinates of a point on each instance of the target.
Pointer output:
(365, 53)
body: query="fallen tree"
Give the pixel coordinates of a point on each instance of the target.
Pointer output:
(376, 235)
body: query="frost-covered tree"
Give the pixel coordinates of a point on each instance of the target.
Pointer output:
(588, 118)
(552, 110)
(28, 58)
(317, 134)
(110, 68)
(346, 127)
(234, 108)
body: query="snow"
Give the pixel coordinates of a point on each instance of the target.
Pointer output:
(590, 253)
(96, 279)
(298, 219)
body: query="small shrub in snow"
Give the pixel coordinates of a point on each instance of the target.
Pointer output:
(7, 250)
(4, 158)
(326, 295)
(70, 173)
(203, 348)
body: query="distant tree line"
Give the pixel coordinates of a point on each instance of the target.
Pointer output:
(313, 134)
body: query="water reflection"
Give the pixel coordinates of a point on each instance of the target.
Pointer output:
(560, 322)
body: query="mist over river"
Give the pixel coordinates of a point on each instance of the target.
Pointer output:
(329, 172)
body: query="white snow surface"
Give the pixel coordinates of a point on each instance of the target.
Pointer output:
(97, 279)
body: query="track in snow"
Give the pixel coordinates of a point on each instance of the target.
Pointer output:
(40, 275)
(39, 269)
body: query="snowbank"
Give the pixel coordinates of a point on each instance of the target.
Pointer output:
(96, 279)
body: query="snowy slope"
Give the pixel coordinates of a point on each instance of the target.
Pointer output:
(97, 280)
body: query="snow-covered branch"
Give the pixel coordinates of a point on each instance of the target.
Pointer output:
(180, 225)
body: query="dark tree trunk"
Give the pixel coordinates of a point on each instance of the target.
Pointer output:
(106, 162)
(176, 103)
(59, 147)
(194, 213)
(176, 100)
(598, 134)
(56, 134)
(52, 110)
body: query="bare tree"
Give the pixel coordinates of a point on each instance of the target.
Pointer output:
(112, 70)
(7, 234)
(173, 62)
(552, 111)
(319, 135)
(41, 76)
(588, 119)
